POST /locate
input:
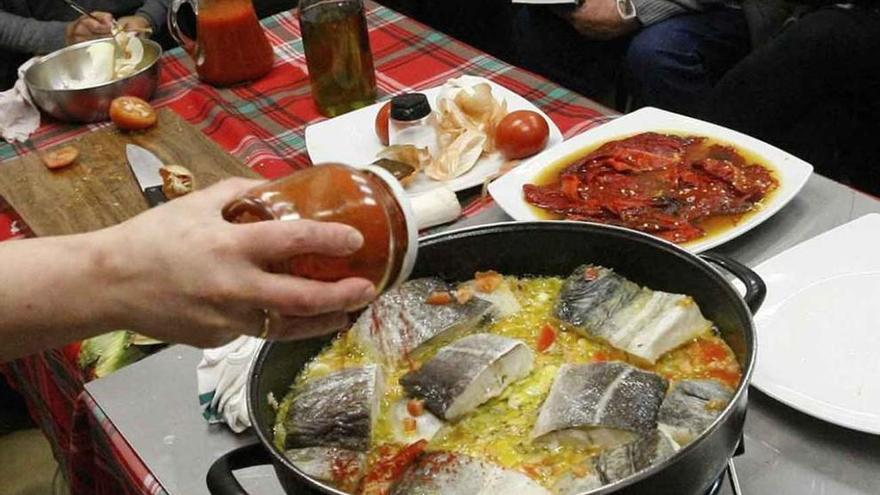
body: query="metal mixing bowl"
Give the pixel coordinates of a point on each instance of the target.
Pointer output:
(50, 81)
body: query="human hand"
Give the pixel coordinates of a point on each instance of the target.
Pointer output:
(601, 20)
(87, 28)
(135, 23)
(182, 273)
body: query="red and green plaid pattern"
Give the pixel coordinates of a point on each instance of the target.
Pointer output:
(262, 124)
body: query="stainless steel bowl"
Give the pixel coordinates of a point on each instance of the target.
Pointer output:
(50, 81)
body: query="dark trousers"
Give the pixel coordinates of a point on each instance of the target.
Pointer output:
(674, 64)
(813, 90)
(671, 64)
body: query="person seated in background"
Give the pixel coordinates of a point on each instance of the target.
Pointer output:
(813, 90)
(668, 52)
(663, 53)
(29, 28)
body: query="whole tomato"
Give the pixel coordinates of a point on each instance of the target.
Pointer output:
(382, 123)
(521, 133)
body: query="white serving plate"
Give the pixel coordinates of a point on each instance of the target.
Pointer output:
(819, 328)
(351, 139)
(792, 171)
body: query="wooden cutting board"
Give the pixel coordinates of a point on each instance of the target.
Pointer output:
(99, 189)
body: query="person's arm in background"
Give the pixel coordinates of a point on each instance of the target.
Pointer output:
(152, 14)
(27, 35)
(179, 273)
(601, 19)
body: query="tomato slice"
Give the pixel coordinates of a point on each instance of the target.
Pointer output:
(547, 337)
(521, 133)
(60, 157)
(382, 123)
(132, 113)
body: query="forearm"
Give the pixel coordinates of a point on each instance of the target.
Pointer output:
(54, 290)
(26, 35)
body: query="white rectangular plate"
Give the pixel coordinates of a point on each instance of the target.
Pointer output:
(792, 171)
(818, 333)
(351, 139)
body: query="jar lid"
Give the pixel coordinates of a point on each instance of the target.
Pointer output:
(410, 106)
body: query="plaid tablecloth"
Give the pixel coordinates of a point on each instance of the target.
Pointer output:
(262, 124)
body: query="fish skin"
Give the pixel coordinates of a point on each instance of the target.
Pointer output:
(640, 321)
(607, 404)
(341, 468)
(400, 321)
(468, 372)
(619, 462)
(336, 410)
(445, 473)
(685, 414)
(588, 303)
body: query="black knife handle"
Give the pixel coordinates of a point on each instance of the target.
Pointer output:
(155, 196)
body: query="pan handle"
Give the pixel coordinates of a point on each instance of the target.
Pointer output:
(756, 290)
(220, 479)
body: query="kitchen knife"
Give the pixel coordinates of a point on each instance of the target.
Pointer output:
(145, 166)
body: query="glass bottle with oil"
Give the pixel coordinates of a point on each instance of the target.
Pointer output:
(338, 55)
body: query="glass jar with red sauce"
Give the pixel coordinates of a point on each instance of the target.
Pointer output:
(371, 200)
(230, 45)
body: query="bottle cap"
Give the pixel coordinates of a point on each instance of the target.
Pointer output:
(410, 106)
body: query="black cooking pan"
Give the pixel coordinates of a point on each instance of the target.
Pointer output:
(543, 248)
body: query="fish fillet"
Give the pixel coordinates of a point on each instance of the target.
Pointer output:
(336, 410)
(400, 321)
(691, 406)
(603, 404)
(622, 461)
(445, 473)
(341, 468)
(601, 304)
(469, 372)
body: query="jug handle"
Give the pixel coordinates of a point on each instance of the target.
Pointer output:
(185, 41)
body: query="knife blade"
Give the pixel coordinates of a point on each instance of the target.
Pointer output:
(145, 166)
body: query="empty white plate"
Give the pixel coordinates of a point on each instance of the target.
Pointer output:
(792, 172)
(819, 328)
(351, 139)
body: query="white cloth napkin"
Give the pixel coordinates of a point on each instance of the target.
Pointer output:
(222, 377)
(19, 118)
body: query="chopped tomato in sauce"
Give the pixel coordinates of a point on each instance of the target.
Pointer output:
(547, 337)
(439, 298)
(487, 281)
(415, 407)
